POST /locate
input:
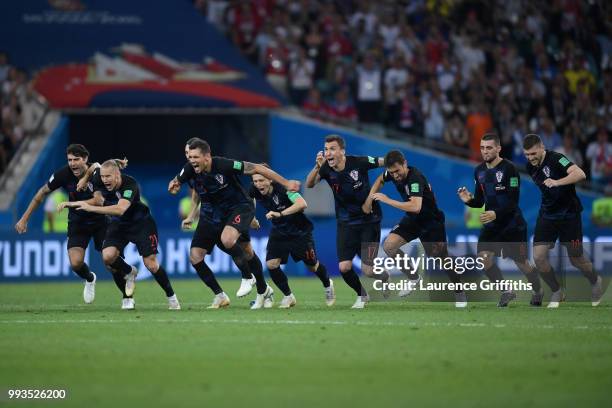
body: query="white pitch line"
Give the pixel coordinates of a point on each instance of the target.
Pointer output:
(303, 322)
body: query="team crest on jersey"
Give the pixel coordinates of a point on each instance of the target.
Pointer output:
(546, 171)
(219, 178)
(90, 186)
(275, 199)
(354, 175)
(499, 176)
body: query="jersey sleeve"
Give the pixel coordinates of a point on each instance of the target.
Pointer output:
(387, 177)
(129, 190)
(186, 173)
(324, 171)
(417, 185)
(367, 162)
(227, 166)
(478, 200)
(293, 196)
(57, 179)
(96, 180)
(562, 162)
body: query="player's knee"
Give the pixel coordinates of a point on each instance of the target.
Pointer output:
(345, 267)
(273, 263)
(390, 248)
(195, 257)
(76, 264)
(151, 264)
(368, 270)
(540, 260)
(313, 268)
(578, 261)
(109, 257)
(228, 241)
(487, 261)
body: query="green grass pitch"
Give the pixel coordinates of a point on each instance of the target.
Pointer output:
(391, 354)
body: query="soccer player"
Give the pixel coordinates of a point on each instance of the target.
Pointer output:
(216, 181)
(118, 196)
(248, 281)
(423, 219)
(82, 227)
(559, 217)
(497, 184)
(357, 231)
(291, 235)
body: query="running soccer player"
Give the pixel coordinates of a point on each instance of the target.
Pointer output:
(559, 217)
(357, 231)
(82, 227)
(291, 235)
(248, 281)
(118, 196)
(423, 219)
(216, 181)
(504, 231)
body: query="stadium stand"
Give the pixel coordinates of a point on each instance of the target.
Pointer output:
(440, 70)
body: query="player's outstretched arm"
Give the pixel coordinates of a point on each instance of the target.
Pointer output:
(22, 225)
(254, 168)
(378, 183)
(115, 210)
(313, 176)
(82, 184)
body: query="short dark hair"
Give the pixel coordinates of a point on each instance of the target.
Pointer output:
(492, 136)
(77, 150)
(336, 138)
(200, 144)
(193, 139)
(394, 156)
(531, 140)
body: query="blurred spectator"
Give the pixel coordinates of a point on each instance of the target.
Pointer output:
(301, 74)
(599, 154)
(396, 78)
(4, 67)
(518, 157)
(313, 105)
(369, 90)
(55, 222)
(342, 107)
(478, 123)
(431, 106)
(455, 133)
(549, 135)
(409, 116)
(569, 150)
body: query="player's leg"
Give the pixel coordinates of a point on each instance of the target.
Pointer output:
(544, 238)
(370, 242)
(492, 271)
(280, 280)
(144, 235)
(516, 249)
(78, 240)
(119, 270)
(253, 260)
(434, 242)
(303, 249)
(202, 243)
(571, 237)
(348, 245)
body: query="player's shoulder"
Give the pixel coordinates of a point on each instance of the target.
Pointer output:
(481, 167)
(508, 164)
(254, 192)
(414, 173)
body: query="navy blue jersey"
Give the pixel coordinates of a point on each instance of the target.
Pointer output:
(416, 185)
(498, 189)
(220, 187)
(65, 179)
(558, 203)
(207, 211)
(278, 200)
(128, 190)
(351, 187)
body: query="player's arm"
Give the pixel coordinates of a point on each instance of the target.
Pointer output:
(299, 204)
(194, 212)
(39, 197)
(378, 183)
(469, 199)
(412, 206)
(115, 210)
(574, 175)
(255, 221)
(187, 172)
(313, 176)
(255, 168)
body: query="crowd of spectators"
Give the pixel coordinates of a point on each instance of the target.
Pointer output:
(442, 70)
(21, 110)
